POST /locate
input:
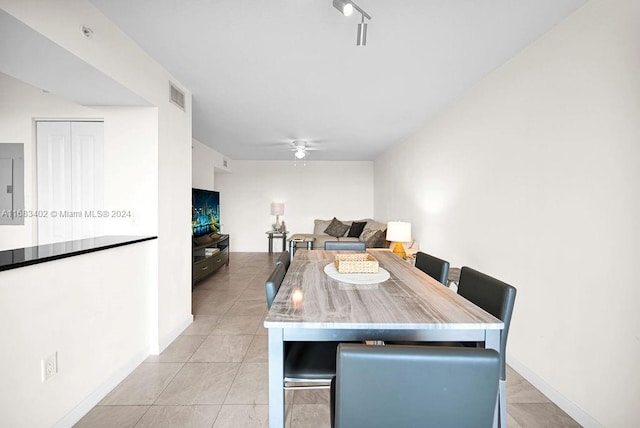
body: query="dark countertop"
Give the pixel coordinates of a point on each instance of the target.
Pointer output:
(20, 257)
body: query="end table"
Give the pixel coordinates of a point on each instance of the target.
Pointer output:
(273, 234)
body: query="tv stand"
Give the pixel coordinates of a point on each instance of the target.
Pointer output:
(210, 253)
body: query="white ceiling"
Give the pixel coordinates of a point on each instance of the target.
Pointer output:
(266, 72)
(29, 56)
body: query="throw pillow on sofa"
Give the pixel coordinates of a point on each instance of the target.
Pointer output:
(368, 237)
(356, 229)
(336, 228)
(374, 238)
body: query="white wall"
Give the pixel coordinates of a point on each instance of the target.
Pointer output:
(318, 190)
(111, 52)
(130, 131)
(19, 105)
(205, 161)
(534, 177)
(131, 169)
(94, 316)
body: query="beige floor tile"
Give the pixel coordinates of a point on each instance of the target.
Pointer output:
(251, 385)
(220, 294)
(200, 294)
(231, 325)
(180, 350)
(258, 350)
(202, 325)
(220, 349)
(249, 307)
(179, 417)
(112, 416)
(519, 390)
(228, 286)
(211, 307)
(252, 293)
(243, 416)
(288, 407)
(546, 415)
(262, 330)
(311, 396)
(511, 423)
(199, 383)
(143, 385)
(310, 415)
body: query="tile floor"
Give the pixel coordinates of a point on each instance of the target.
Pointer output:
(215, 373)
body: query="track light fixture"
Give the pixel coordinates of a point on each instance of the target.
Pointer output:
(346, 7)
(362, 33)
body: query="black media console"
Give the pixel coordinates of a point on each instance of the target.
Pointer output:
(210, 252)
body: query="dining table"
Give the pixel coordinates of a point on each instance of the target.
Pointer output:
(315, 303)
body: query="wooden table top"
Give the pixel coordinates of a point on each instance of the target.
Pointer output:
(410, 299)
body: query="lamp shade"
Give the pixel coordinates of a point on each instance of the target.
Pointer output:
(398, 231)
(277, 208)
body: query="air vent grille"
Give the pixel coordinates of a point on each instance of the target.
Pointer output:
(176, 96)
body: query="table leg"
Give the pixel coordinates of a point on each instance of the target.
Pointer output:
(292, 250)
(270, 244)
(284, 242)
(492, 341)
(276, 378)
(309, 245)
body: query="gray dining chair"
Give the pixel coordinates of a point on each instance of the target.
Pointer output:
(272, 284)
(306, 364)
(344, 246)
(284, 259)
(414, 386)
(498, 299)
(434, 267)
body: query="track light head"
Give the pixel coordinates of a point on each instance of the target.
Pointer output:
(362, 34)
(345, 7)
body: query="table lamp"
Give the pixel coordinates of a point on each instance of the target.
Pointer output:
(277, 209)
(399, 232)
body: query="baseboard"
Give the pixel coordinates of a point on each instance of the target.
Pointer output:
(167, 339)
(107, 386)
(568, 406)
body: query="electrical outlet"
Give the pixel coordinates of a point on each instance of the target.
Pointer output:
(49, 366)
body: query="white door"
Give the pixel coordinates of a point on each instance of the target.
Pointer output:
(70, 179)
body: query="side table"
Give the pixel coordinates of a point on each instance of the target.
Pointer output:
(272, 234)
(293, 244)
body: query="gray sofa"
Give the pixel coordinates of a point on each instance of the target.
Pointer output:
(373, 234)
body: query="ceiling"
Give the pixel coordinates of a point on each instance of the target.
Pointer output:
(264, 73)
(57, 70)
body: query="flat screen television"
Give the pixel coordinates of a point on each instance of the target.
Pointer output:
(205, 212)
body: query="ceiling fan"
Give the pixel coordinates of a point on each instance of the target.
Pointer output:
(299, 147)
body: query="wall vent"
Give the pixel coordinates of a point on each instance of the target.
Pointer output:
(176, 96)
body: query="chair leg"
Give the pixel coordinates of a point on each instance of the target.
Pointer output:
(503, 404)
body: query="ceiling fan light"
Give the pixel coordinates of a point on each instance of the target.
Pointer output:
(300, 153)
(345, 7)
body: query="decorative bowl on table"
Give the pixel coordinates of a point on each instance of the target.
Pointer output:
(356, 263)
